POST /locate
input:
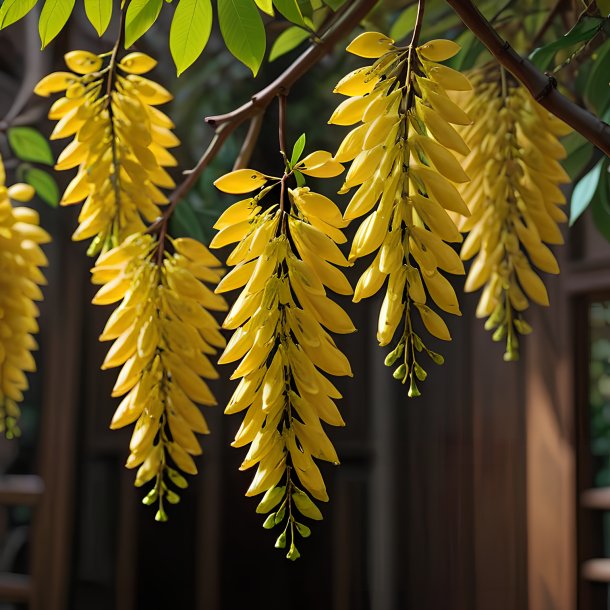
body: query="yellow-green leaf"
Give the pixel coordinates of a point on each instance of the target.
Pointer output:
(30, 145)
(290, 9)
(13, 10)
(243, 31)
(99, 13)
(288, 40)
(190, 31)
(53, 17)
(45, 185)
(141, 15)
(266, 6)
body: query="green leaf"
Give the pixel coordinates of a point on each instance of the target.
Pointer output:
(99, 13)
(299, 178)
(306, 8)
(190, 31)
(597, 91)
(604, 7)
(584, 30)
(335, 5)
(600, 206)
(288, 40)
(580, 151)
(45, 185)
(305, 505)
(297, 149)
(290, 9)
(13, 10)
(243, 31)
(405, 23)
(141, 15)
(472, 47)
(53, 17)
(266, 6)
(30, 145)
(184, 222)
(584, 191)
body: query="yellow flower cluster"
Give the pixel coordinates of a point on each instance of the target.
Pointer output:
(20, 277)
(402, 164)
(163, 334)
(285, 260)
(120, 143)
(515, 201)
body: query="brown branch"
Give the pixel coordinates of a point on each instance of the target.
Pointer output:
(345, 21)
(247, 148)
(541, 86)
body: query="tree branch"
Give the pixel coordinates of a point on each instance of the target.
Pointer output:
(247, 148)
(225, 124)
(541, 86)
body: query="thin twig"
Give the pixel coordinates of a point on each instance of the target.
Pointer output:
(247, 148)
(543, 87)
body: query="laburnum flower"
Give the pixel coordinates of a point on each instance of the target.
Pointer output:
(20, 279)
(120, 143)
(514, 198)
(164, 336)
(285, 260)
(404, 167)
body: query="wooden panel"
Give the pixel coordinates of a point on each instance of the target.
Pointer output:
(551, 487)
(434, 482)
(500, 531)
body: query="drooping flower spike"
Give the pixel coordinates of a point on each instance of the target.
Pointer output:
(164, 336)
(20, 277)
(403, 163)
(285, 259)
(120, 143)
(515, 201)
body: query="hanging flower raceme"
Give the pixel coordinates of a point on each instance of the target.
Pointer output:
(163, 337)
(284, 260)
(20, 277)
(515, 201)
(120, 143)
(405, 172)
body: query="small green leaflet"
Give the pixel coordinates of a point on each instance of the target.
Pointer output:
(597, 92)
(580, 151)
(584, 191)
(600, 206)
(190, 31)
(266, 6)
(141, 15)
(297, 150)
(243, 31)
(288, 40)
(99, 13)
(290, 9)
(13, 10)
(53, 17)
(45, 185)
(584, 30)
(334, 4)
(404, 24)
(30, 145)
